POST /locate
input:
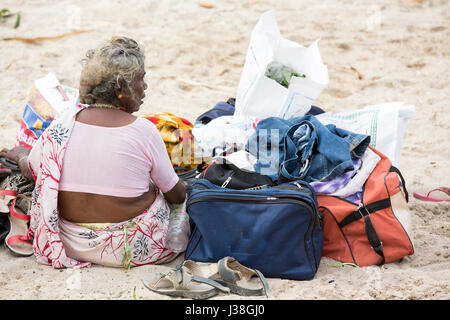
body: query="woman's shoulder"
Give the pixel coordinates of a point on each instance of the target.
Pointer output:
(146, 125)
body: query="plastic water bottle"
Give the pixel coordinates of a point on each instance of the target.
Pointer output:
(179, 229)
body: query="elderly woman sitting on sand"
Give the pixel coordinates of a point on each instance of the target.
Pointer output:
(103, 178)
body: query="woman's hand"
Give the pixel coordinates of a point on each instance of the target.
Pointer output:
(15, 154)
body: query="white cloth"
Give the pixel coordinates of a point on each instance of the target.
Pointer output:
(225, 132)
(241, 159)
(369, 162)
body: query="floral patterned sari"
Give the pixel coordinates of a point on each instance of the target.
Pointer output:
(138, 241)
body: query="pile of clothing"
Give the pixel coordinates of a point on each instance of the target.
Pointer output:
(351, 189)
(333, 160)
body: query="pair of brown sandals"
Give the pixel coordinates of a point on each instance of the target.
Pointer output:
(192, 280)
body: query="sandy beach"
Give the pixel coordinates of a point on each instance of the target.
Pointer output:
(194, 59)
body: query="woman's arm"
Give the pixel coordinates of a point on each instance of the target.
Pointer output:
(177, 194)
(19, 154)
(162, 173)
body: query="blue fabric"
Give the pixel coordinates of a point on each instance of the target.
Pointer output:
(281, 238)
(307, 149)
(220, 109)
(267, 145)
(227, 109)
(315, 111)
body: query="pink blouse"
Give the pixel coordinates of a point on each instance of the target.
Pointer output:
(116, 161)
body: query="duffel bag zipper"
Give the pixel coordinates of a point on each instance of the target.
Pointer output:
(248, 197)
(295, 186)
(227, 181)
(265, 199)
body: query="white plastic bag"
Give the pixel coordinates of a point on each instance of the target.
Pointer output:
(242, 159)
(224, 132)
(385, 123)
(260, 96)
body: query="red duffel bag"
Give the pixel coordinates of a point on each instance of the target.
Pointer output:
(376, 231)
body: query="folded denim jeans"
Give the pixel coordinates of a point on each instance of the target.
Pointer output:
(303, 148)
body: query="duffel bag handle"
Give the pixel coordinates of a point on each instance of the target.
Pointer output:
(372, 235)
(397, 171)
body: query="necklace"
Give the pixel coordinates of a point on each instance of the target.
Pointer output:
(106, 106)
(103, 105)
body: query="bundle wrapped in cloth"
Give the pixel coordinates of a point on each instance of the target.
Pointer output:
(176, 133)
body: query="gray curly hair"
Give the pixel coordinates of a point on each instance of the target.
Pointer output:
(110, 67)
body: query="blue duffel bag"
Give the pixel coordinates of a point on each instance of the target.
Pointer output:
(275, 230)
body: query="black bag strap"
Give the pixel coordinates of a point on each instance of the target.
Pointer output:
(365, 210)
(374, 241)
(397, 171)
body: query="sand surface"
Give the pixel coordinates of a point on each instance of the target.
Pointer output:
(194, 59)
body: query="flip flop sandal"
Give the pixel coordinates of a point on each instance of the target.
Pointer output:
(5, 198)
(427, 197)
(17, 241)
(240, 279)
(181, 282)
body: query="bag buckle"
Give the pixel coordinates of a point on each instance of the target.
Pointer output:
(299, 186)
(361, 206)
(303, 168)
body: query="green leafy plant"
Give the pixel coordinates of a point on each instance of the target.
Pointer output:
(281, 73)
(5, 13)
(18, 17)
